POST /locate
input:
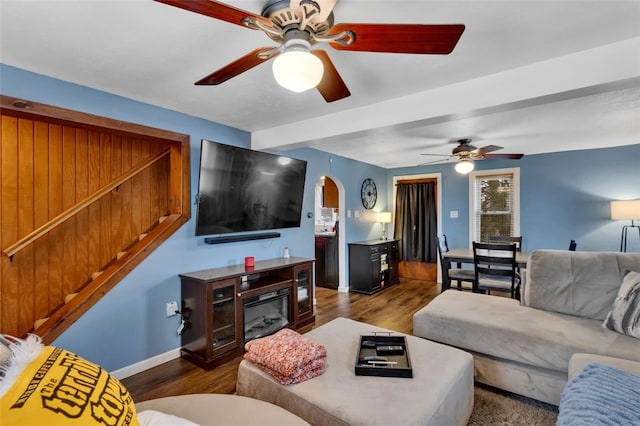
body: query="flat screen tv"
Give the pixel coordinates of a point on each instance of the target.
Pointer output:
(242, 190)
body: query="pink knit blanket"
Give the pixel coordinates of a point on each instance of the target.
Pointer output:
(288, 356)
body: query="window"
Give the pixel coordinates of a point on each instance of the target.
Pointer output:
(494, 203)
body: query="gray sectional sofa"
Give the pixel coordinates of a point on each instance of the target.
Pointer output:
(525, 347)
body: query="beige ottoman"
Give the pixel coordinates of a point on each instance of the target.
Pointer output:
(440, 392)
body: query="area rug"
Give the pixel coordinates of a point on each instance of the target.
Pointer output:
(495, 407)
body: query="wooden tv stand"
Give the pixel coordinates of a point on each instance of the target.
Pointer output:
(213, 302)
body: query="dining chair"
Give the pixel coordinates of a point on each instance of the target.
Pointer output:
(573, 245)
(501, 239)
(496, 268)
(455, 274)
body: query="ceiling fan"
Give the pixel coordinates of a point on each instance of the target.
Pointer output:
(466, 153)
(297, 25)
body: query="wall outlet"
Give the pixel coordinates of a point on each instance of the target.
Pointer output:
(172, 309)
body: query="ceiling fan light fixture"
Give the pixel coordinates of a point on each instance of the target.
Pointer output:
(297, 69)
(464, 166)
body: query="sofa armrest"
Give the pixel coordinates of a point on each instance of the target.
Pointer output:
(579, 360)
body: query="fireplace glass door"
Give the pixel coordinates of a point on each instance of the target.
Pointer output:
(265, 314)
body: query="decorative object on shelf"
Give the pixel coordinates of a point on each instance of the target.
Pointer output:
(626, 210)
(383, 218)
(369, 193)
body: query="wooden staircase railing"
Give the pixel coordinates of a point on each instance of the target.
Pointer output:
(84, 200)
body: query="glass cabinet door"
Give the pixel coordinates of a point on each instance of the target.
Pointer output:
(303, 290)
(224, 316)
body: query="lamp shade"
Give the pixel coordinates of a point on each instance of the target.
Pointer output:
(625, 210)
(464, 166)
(297, 69)
(383, 217)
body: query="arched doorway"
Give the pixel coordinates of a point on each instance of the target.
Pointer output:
(329, 234)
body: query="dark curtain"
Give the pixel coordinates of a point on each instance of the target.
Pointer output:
(416, 221)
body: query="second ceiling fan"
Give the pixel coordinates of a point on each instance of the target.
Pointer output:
(465, 153)
(297, 25)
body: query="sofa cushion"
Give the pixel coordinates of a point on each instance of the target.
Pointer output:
(584, 284)
(500, 327)
(625, 315)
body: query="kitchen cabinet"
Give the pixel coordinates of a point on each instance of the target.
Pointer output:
(327, 261)
(373, 265)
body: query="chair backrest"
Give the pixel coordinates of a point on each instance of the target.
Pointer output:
(495, 260)
(506, 239)
(443, 247)
(573, 245)
(439, 247)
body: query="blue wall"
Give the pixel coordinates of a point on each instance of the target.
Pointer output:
(563, 196)
(129, 324)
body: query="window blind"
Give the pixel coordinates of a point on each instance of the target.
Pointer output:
(493, 206)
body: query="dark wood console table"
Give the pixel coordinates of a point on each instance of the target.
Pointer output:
(212, 303)
(373, 265)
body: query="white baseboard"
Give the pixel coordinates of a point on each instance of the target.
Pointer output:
(146, 364)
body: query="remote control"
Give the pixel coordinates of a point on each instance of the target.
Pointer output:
(371, 359)
(390, 350)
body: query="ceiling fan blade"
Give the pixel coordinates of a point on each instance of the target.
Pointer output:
(433, 162)
(238, 66)
(503, 156)
(400, 38)
(331, 87)
(217, 10)
(488, 148)
(325, 7)
(439, 155)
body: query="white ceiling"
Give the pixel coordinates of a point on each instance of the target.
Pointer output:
(531, 76)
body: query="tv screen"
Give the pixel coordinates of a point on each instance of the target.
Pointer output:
(244, 190)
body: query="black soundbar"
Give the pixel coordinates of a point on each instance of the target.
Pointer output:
(244, 237)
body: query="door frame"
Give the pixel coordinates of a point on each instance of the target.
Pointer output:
(438, 178)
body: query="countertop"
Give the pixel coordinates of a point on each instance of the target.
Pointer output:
(325, 234)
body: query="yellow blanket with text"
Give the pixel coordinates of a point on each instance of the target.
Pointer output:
(61, 388)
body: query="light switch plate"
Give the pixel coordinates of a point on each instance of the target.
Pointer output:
(453, 214)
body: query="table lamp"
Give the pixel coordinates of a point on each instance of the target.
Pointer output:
(383, 218)
(626, 210)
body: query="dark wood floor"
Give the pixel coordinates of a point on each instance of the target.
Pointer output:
(392, 308)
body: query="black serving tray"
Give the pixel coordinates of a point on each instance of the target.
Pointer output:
(399, 364)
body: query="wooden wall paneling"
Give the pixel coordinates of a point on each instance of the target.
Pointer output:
(145, 197)
(56, 295)
(9, 195)
(136, 187)
(174, 186)
(82, 217)
(154, 196)
(129, 234)
(69, 273)
(116, 204)
(106, 245)
(25, 207)
(94, 255)
(40, 217)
